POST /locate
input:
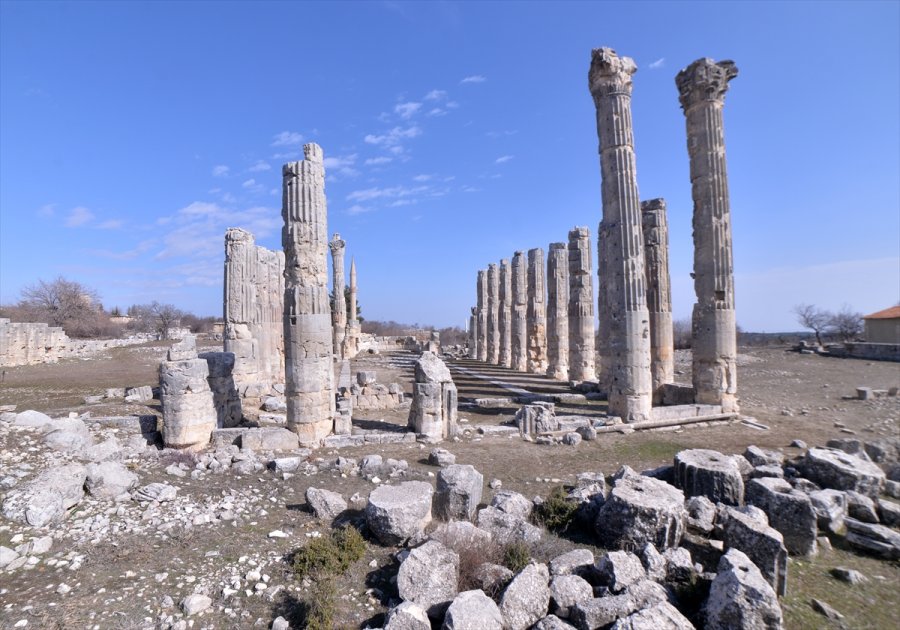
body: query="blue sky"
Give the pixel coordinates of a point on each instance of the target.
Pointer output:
(133, 134)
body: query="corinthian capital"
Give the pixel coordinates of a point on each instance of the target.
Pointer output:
(704, 80)
(609, 73)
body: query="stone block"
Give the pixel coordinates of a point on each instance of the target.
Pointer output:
(458, 492)
(789, 511)
(703, 472)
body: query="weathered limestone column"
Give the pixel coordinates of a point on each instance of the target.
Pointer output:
(189, 413)
(537, 313)
(482, 349)
(240, 308)
(268, 326)
(558, 312)
(519, 313)
(582, 362)
(339, 311)
(433, 413)
(309, 376)
(473, 333)
(505, 313)
(701, 87)
(353, 327)
(493, 316)
(628, 331)
(655, 226)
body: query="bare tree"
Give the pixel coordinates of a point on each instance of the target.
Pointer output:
(847, 324)
(66, 303)
(814, 318)
(156, 317)
(681, 333)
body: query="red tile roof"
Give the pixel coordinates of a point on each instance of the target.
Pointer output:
(888, 313)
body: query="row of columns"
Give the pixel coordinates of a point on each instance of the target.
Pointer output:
(345, 331)
(530, 328)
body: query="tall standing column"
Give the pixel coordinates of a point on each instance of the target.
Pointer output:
(558, 312)
(537, 313)
(482, 315)
(240, 308)
(505, 313)
(701, 87)
(628, 337)
(519, 312)
(473, 333)
(582, 364)
(493, 323)
(309, 376)
(353, 327)
(655, 226)
(339, 310)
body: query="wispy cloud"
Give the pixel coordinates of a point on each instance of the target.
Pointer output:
(471, 189)
(220, 170)
(47, 210)
(499, 134)
(393, 137)
(340, 164)
(659, 63)
(289, 155)
(197, 230)
(260, 166)
(503, 159)
(422, 178)
(407, 110)
(377, 161)
(287, 139)
(369, 194)
(250, 183)
(436, 95)
(141, 248)
(79, 216)
(475, 78)
(357, 209)
(111, 224)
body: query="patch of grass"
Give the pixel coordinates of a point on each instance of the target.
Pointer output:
(321, 605)
(329, 555)
(557, 511)
(516, 556)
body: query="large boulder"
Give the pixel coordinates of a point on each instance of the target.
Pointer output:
(703, 472)
(841, 471)
(575, 562)
(527, 597)
(45, 499)
(473, 610)
(748, 531)
(661, 616)
(407, 616)
(395, 513)
(875, 539)
(789, 511)
(107, 480)
(830, 507)
(325, 504)
(458, 492)
(429, 576)
(618, 570)
(31, 418)
(740, 597)
(600, 612)
(568, 590)
(640, 510)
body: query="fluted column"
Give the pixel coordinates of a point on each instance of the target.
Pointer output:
(353, 328)
(558, 312)
(655, 226)
(505, 313)
(493, 314)
(628, 322)
(309, 378)
(582, 364)
(240, 307)
(339, 310)
(473, 333)
(702, 86)
(519, 312)
(482, 349)
(537, 313)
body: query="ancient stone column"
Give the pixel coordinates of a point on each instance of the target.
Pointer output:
(482, 349)
(473, 333)
(701, 87)
(558, 312)
(339, 310)
(581, 307)
(493, 315)
(537, 313)
(505, 313)
(659, 294)
(628, 330)
(309, 377)
(268, 326)
(433, 413)
(353, 327)
(189, 413)
(519, 313)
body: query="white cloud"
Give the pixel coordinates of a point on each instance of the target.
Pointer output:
(79, 216)
(357, 209)
(436, 95)
(475, 78)
(381, 159)
(503, 158)
(249, 183)
(47, 210)
(393, 137)
(422, 178)
(369, 194)
(287, 139)
(497, 134)
(197, 231)
(407, 110)
(111, 224)
(259, 167)
(220, 170)
(130, 254)
(659, 63)
(471, 189)
(436, 111)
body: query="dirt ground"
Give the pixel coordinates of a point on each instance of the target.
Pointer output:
(124, 579)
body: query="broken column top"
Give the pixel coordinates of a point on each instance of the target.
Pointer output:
(608, 69)
(184, 349)
(555, 246)
(653, 205)
(312, 152)
(336, 242)
(430, 369)
(238, 234)
(579, 232)
(704, 80)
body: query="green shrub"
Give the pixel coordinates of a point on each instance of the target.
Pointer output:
(557, 511)
(321, 605)
(330, 555)
(516, 556)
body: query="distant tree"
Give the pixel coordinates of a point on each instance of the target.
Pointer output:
(156, 317)
(681, 333)
(65, 303)
(453, 336)
(816, 319)
(847, 324)
(198, 324)
(115, 312)
(346, 304)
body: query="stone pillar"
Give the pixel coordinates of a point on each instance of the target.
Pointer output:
(309, 376)
(558, 312)
(582, 361)
(493, 315)
(655, 226)
(482, 349)
(519, 313)
(505, 313)
(473, 333)
(537, 313)
(353, 328)
(189, 414)
(226, 400)
(701, 87)
(628, 330)
(339, 310)
(433, 412)
(268, 327)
